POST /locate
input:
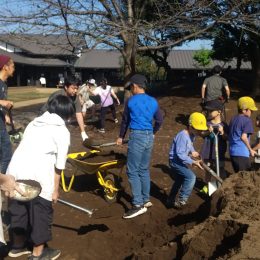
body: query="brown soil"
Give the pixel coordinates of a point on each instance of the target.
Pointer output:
(225, 226)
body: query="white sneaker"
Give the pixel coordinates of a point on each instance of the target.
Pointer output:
(116, 121)
(148, 204)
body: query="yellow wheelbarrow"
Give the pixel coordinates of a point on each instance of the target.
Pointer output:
(79, 162)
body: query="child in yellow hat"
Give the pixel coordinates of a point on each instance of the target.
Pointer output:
(180, 158)
(240, 130)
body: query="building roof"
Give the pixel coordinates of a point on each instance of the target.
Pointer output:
(34, 61)
(38, 44)
(99, 59)
(177, 59)
(183, 60)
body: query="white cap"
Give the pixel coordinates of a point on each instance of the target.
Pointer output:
(92, 82)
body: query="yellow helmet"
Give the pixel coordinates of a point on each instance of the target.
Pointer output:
(246, 103)
(198, 121)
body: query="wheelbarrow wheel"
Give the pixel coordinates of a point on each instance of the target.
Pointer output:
(110, 194)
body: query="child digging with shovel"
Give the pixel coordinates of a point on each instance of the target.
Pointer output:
(180, 159)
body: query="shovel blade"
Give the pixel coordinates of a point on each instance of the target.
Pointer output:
(212, 187)
(90, 142)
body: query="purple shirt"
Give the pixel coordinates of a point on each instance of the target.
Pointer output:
(208, 147)
(239, 124)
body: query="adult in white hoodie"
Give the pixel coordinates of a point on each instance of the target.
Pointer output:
(41, 156)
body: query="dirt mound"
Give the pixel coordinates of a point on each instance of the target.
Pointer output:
(233, 231)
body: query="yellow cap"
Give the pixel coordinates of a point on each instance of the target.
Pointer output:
(198, 121)
(246, 103)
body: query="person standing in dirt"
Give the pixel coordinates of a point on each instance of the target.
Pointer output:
(85, 101)
(106, 92)
(213, 86)
(180, 158)
(6, 70)
(41, 156)
(70, 90)
(139, 112)
(240, 130)
(220, 128)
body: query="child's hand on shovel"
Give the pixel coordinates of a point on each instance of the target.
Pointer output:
(197, 163)
(195, 154)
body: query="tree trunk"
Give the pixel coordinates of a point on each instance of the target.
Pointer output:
(129, 55)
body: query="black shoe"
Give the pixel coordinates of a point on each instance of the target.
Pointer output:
(3, 250)
(135, 211)
(16, 252)
(47, 254)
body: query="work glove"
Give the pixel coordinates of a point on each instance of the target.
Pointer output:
(227, 99)
(203, 101)
(84, 135)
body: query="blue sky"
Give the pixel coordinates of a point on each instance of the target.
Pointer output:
(195, 45)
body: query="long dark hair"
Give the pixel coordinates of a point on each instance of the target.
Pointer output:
(61, 105)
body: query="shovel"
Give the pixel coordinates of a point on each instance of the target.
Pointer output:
(88, 211)
(91, 143)
(211, 172)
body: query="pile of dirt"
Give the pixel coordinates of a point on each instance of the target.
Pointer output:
(233, 230)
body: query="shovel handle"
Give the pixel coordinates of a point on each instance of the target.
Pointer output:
(209, 170)
(108, 144)
(88, 211)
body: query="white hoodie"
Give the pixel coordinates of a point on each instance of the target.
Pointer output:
(44, 146)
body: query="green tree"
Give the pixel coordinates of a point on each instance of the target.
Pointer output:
(203, 57)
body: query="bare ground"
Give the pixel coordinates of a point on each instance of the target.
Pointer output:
(225, 226)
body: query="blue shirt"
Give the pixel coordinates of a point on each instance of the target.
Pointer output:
(239, 124)
(139, 112)
(181, 148)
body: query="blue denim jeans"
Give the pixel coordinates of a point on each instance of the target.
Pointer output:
(184, 180)
(5, 150)
(138, 160)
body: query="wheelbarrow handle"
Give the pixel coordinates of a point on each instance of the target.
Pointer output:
(88, 211)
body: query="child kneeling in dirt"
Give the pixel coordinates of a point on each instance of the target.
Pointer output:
(180, 158)
(41, 156)
(220, 129)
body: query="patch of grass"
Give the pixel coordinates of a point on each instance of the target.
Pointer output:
(26, 95)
